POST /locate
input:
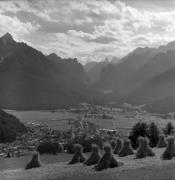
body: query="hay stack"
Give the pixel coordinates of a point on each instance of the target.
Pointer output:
(126, 149)
(94, 157)
(169, 151)
(141, 153)
(148, 150)
(78, 156)
(162, 142)
(144, 148)
(34, 163)
(108, 160)
(118, 146)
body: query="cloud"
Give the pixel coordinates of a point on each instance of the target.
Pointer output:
(89, 30)
(14, 26)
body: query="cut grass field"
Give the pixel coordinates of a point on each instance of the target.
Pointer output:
(150, 168)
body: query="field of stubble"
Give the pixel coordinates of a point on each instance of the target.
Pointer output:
(150, 168)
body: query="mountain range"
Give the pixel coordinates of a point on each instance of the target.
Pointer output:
(145, 76)
(31, 80)
(94, 69)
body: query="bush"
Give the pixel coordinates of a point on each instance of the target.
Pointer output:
(139, 129)
(169, 129)
(153, 134)
(85, 141)
(49, 148)
(113, 143)
(69, 146)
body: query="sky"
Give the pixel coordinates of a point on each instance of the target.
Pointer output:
(90, 30)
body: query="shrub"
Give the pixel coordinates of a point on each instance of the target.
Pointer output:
(139, 129)
(153, 134)
(69, 146)
(113, 143)
(49, 148)
(118, 146)
(169, 129)
(85, 141)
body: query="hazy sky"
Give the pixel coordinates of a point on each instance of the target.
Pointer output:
(89, 29)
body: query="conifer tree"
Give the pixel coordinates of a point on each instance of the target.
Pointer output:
(153, 134)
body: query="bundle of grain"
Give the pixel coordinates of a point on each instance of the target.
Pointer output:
(126, 149)
(34, 163)
(118, 146)
(78, 156)
(108, 160)
(162, 142)
(148, 150)
(141, 152)
(94, 157)
(169, 151)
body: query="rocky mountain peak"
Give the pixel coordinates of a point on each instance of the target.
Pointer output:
(7, 39)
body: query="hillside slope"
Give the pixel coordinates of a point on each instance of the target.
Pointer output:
(95, 72)
(151, 168)
(10, 127)
(158, 65)
(115, 76)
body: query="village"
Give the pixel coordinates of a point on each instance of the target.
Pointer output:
(85, 123)
(38, 133)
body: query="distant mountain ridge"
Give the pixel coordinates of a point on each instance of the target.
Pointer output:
(94, 69)
(113, 77)
(31, 80)
(146, 75)
(88, 66)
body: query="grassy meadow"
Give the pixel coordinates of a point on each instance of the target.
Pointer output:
(123, 121)
(150, 168)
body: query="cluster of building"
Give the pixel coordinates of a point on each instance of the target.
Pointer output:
(29, 141)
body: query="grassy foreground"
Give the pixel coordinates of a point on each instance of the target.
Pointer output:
(151, 168)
